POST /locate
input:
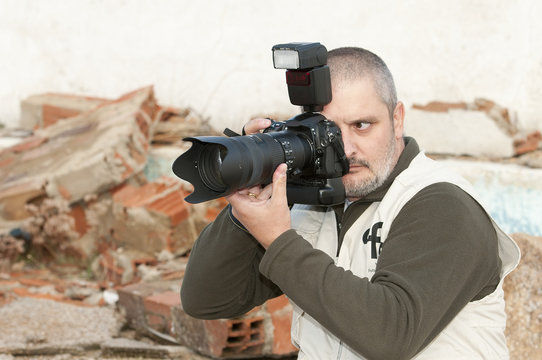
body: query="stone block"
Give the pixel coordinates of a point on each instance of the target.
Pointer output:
(524, 301)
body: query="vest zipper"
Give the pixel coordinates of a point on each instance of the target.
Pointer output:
(339, 353)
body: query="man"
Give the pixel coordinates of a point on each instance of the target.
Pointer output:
(410, 267)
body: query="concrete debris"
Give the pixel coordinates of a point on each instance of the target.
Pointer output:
(523, 297)
(153, 217)
(43, 110)
(89, 153)
(10, 249)
(478, 129)
(86, 184)
(24, 326)
(499, 114)
(141, 349)
(175, 124)
(50, 226)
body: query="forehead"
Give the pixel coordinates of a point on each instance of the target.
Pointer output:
(354, 100)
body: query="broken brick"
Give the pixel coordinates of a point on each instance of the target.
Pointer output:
(153, 217)
(528, 144)
(43, 110)
(440, 106)
(264, 331)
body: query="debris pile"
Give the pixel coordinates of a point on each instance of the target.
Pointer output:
(93, 224)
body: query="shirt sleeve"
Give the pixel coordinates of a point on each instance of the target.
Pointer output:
(222, 279)
(441, 253)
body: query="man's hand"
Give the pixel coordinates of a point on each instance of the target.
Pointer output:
(256, 125)
(263, 212)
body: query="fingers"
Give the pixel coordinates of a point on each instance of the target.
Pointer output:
(252, 192)
(279, 183)
(255, 125)
(256, 193)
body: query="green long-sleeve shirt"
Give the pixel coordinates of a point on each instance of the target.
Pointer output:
(441, 253)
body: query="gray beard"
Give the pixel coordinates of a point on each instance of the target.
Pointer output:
(381, 171)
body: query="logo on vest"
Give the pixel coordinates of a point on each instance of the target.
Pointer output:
(372, 235)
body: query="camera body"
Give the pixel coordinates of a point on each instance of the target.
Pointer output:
(319, 181)
(308, 143)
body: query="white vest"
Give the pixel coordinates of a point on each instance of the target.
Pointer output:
(477, 332)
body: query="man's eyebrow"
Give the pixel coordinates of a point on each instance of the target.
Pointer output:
(367, 119)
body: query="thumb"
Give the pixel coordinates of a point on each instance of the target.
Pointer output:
(279, 182)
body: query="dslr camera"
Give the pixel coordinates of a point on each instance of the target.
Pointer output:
(308, 143)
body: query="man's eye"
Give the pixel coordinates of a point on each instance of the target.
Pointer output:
(362, 125)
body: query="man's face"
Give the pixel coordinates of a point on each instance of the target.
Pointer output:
(372, 141)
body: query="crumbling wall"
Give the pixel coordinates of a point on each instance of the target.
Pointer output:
(90, 189)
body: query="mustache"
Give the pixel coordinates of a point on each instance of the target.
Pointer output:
(357, 162)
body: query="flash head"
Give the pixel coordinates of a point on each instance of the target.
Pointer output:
(307, 73)
(298, 55)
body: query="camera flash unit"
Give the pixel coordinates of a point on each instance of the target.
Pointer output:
(293, 56)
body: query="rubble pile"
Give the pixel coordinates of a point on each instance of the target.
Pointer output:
(94, 227)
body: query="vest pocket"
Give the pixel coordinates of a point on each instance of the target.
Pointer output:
(307, 223)
(297, 320)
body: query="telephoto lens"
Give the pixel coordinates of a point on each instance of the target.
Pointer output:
(217, 166)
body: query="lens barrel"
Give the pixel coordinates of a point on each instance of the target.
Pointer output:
(217, 166)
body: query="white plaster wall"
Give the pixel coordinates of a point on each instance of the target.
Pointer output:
(215, 56)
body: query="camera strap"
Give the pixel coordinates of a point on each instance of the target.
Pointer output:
(230, 133)
(339, 150)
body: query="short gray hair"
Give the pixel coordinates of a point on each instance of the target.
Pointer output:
(352, 63)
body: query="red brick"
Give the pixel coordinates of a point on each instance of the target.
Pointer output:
(24, 292)
(162, 303)
(139, 157)
(143, 125)
(124, 194)
(34, 282)
(277, 304)
(146, 261)
(7, 161)
(173, 206)
(440, 106)
(65, 193)
(281, 316)
(30, 272)
(131, 196)
(113, 273)
(127, 168)
(77, 212)
(51, 114)
(528, 144)
(30, 143)
(245, 337)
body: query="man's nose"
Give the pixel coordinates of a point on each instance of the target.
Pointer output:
(349, 148)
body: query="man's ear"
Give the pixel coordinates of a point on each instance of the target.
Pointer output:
(398, 119)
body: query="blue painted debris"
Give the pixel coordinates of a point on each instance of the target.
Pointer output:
(511, 193)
